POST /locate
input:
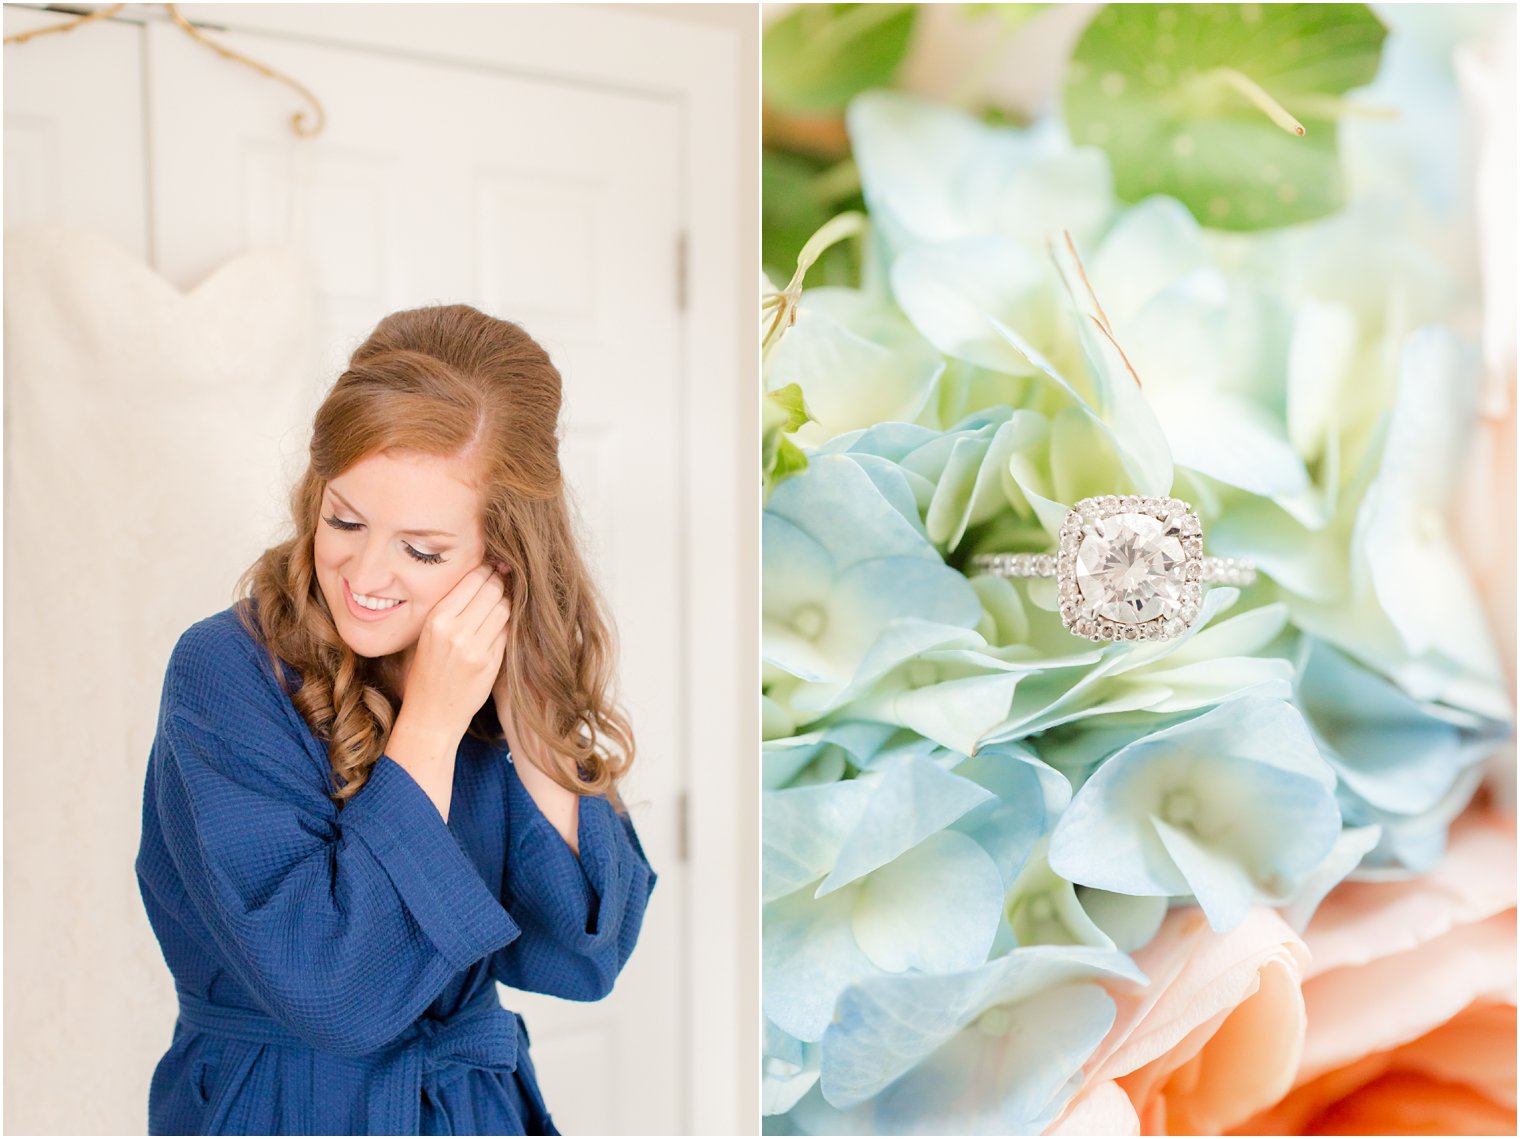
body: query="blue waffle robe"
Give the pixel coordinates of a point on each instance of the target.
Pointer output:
(335, 969)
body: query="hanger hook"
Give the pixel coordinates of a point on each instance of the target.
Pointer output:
(298, 121)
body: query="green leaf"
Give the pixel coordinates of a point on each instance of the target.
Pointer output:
(1187, 100)
(819, 56)
(782, 411)
(790, 400)
(790, 459)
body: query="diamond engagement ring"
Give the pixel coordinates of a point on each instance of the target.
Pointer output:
(1128, 569)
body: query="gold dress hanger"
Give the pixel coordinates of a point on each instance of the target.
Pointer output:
(298, 121)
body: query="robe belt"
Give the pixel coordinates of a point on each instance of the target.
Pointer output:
(481, 1034)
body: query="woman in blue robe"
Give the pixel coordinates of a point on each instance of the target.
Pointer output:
(385, 778)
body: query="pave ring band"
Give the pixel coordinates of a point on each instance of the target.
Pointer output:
(1128, 568)
(1216, 571)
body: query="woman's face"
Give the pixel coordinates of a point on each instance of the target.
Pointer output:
(373, 541)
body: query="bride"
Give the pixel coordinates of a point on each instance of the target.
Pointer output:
(386, 777)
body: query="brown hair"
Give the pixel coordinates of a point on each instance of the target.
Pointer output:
(450, 381)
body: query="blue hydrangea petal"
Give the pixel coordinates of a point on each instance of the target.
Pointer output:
(887, 1026)
(799, 574)
(1386, 747)
(1414, 844)
(1157, 675)
(805, 828)
(836, 504)
(977, 485)
(894, 441)
(808, 956)
(1349, 849)
(899, 487)
(785, 758)
(935, 908)
(1129, 922)
(912, 801)
(1105, 838)
(870, 596)
(987, 1082)
(1030, 795)
(1200, 685)
(790, 1072)
(901, 640)
(825, 638)
(776, 723)
(1243, 634)
(1238, 800)
(953, 712)
(1221, 885)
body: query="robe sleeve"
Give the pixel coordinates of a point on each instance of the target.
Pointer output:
(345, 925)
(579, 917)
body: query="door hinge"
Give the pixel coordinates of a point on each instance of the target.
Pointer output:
(682, 270)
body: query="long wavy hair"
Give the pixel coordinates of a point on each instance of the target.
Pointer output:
(450, 381)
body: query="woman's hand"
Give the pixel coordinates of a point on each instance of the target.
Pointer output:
(459, 653)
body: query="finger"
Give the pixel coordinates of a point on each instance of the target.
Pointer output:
(486, 599)
(499, 649)
(494, 621)
(458, 599)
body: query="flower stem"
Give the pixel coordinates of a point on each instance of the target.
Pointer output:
(836, 229)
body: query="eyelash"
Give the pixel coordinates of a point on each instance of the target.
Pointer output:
(428, 559)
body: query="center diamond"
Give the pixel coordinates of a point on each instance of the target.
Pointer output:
(1130, 570)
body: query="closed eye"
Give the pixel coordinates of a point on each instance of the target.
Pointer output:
(339, 524)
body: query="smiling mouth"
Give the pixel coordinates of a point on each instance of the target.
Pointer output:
(355, 601)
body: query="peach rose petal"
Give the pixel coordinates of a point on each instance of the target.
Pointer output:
(1215, 1037)
(1350, 1010)
(1408, 1091)
(1100, 1109)
(1411, 1103)
(1476, 1047)
(1248, 1062)
(1362, 921)
(1296, 1113)
(1411, 1001)
(1441, 941)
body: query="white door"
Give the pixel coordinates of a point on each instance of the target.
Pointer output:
(550, 204)
(553, 202)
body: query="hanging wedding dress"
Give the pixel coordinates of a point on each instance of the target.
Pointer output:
(151, 437)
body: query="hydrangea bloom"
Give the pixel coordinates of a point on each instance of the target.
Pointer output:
(971, 817)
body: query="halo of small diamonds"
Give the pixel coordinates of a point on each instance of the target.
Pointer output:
(1162, 527)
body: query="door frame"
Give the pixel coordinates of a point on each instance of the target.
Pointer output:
(698, 66)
